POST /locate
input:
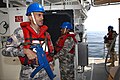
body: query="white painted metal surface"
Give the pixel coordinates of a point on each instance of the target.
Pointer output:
(9, 68)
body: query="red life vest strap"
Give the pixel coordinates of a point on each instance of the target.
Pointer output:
(61, 41)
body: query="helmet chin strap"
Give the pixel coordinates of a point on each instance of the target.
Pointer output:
(34, 19)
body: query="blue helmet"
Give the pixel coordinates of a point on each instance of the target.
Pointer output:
(67, 25)
(34, 7)
(110, 27)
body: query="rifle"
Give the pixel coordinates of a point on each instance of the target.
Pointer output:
(42, 61)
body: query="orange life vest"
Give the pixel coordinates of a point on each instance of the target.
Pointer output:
(30, 35)
(111, 35)
(61, 40)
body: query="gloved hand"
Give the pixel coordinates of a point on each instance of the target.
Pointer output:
(105, 37)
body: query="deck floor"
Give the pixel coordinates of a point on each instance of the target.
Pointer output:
(96, 70)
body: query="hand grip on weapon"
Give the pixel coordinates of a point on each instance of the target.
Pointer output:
(30, 54)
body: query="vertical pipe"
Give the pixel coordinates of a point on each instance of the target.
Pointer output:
(7, 3)
(119, 41)
(42, 2)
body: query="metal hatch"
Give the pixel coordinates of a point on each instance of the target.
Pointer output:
(54, 18)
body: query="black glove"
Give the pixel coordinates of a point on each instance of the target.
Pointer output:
(105, 37)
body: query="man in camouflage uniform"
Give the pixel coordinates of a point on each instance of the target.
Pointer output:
(110, 40)
(32, 32)
(65, 51)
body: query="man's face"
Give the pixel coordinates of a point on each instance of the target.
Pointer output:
(39, 18)
(64, 31)
(109, 30)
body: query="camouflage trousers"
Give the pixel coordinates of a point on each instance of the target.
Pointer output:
(66, 62)
(27, 70)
